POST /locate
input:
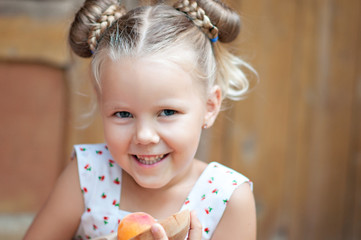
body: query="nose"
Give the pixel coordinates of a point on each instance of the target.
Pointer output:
(145, 133)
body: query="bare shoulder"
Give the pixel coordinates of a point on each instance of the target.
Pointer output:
(239, 218)
(60, 215)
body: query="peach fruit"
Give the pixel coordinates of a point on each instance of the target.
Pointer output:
(133, 224)
(175, 226)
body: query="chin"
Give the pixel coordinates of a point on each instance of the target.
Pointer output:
(151, 184)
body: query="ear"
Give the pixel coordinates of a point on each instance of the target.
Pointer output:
(213, 106)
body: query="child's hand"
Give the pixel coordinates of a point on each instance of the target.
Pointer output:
(158, 232)
(195, 231)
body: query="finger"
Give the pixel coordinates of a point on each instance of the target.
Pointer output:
(158, 232)
(195, 232)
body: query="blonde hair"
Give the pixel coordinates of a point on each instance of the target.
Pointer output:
(102, 28)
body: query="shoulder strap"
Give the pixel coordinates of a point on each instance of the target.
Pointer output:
(100, 182)
(210, 195)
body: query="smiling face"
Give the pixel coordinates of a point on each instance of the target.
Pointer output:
(153, 114)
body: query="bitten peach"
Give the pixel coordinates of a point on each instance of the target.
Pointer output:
(134, 224)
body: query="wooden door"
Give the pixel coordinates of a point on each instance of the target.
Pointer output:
(33, 115)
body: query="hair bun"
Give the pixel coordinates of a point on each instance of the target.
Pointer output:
(223, 17)
(90, 22)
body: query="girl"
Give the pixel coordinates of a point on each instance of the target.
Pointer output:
(160, 75)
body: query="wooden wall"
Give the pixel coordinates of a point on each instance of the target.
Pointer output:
(297, 135)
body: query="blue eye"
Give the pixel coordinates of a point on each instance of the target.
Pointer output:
(123, 114)
(168, 112)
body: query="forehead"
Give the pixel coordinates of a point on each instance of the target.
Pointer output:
(147, 76)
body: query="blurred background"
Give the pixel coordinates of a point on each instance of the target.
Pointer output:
(297, 135)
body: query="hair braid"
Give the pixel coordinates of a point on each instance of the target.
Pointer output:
(198, 15)
(110, 15)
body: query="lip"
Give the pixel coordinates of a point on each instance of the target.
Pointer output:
(145, 161)
(150, 157)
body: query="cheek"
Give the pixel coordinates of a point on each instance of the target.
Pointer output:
(116, 135)
(118, 140)
(183, 136)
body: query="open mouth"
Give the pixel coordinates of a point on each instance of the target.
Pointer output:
(150, 159)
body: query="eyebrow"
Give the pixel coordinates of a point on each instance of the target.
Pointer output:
(171, 103)
(115, 106)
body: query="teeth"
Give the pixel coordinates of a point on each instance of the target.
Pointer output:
(149, 160)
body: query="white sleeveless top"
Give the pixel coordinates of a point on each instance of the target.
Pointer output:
(100, 182)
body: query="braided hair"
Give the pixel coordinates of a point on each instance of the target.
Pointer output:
(199, 17)
(103, 28)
